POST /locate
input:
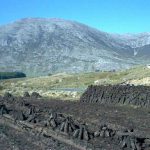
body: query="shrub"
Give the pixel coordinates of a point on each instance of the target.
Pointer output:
(50, 74)
(1, 88)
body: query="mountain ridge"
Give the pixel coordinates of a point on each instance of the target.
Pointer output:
(40, 46)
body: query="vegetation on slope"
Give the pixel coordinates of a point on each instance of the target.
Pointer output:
(72, 85)
(9, 75)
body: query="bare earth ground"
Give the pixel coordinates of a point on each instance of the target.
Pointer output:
(93, 115)
(96, 114)
(11, 139)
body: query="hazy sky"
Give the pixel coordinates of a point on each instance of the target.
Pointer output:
(119, 16)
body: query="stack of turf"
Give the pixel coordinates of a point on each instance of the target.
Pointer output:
(117, 94)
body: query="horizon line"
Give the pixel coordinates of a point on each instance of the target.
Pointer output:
(72, 20)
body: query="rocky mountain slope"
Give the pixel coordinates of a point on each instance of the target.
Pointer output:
(39, 46)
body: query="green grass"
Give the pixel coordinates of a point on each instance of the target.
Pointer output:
(44, 85)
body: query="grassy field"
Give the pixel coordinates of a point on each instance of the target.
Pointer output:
(72, 85)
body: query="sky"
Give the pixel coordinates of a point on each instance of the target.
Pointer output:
(115, 16)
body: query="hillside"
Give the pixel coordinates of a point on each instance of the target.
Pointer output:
(72, 85)
(39, 46)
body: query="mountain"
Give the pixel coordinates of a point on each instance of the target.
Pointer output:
(38, 46)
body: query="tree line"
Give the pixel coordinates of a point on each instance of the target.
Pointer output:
(9, 75)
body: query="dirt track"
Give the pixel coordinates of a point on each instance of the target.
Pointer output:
(118, 119)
